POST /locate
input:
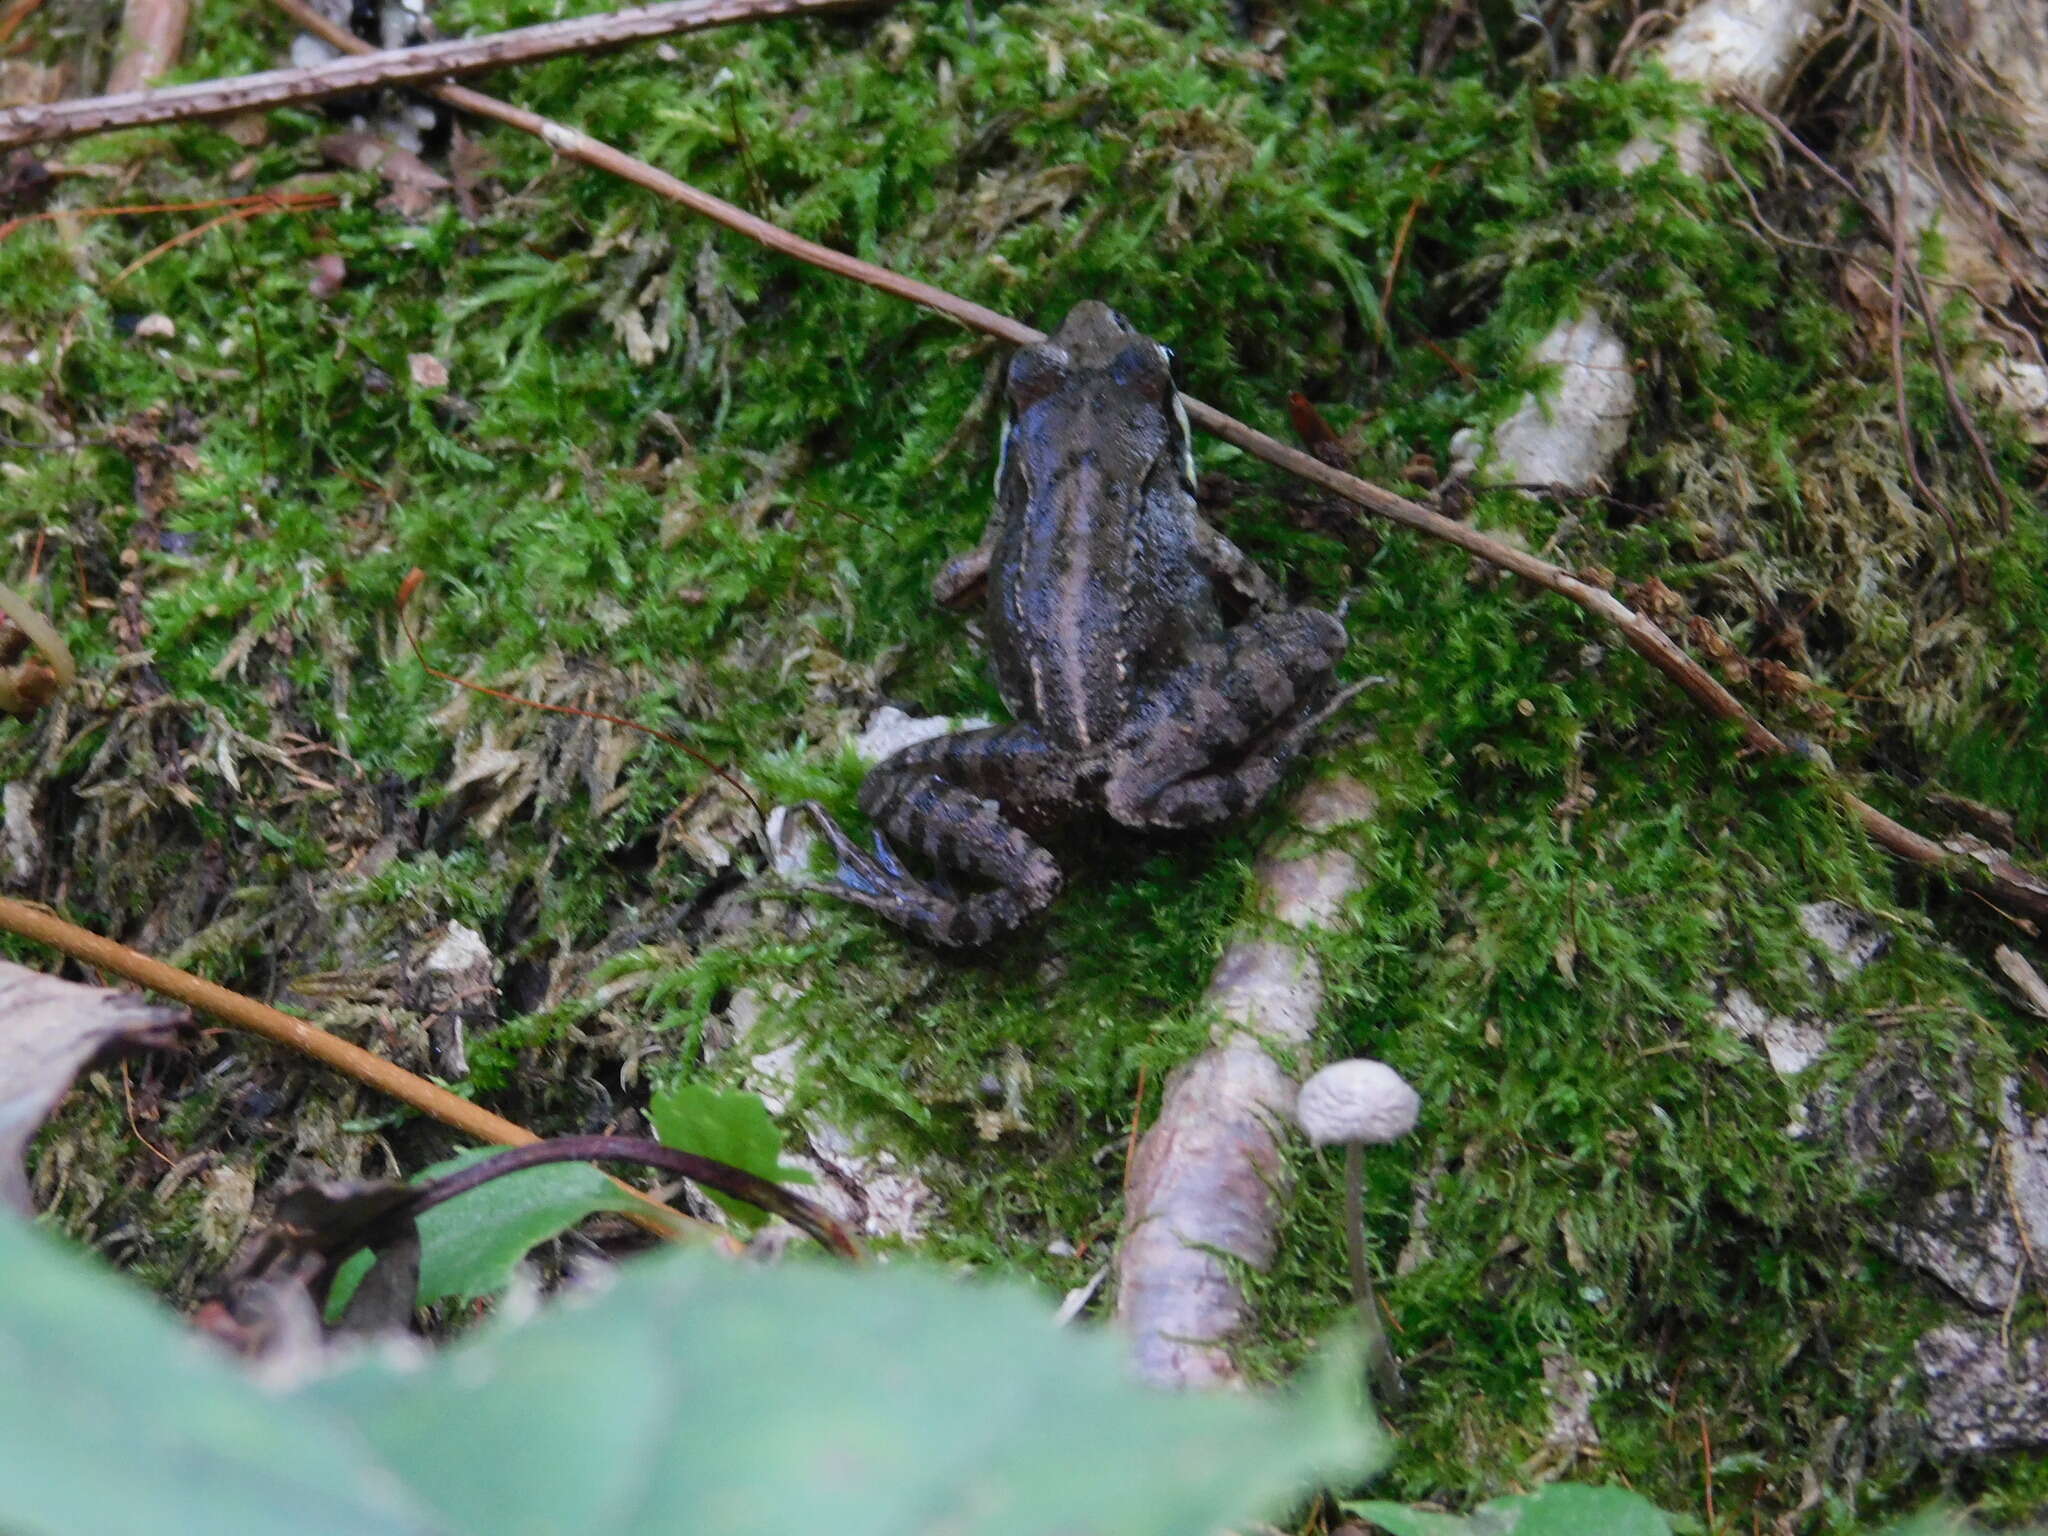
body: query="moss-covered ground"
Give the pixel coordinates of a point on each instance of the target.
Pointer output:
(685, 481)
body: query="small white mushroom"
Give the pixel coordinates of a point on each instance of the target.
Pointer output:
(1356, 1104)
(1360, 1100)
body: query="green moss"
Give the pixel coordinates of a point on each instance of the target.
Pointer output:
(731, 540)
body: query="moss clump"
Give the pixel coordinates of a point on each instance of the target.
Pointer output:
(677, 479)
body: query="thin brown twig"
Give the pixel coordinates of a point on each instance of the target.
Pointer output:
(400, 66)
(186, 237)
(13, 16)
(763, 1194)
(386, 1077)
(2008, 881)
(1707, 1467)
(128, 1104)
(254, 199)
(1394, 261)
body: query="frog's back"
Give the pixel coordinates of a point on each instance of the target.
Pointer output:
(1095, 591)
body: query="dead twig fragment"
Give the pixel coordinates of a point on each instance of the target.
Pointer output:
(128, 106)
(2021, 891)
(45, 927)
(27, 684)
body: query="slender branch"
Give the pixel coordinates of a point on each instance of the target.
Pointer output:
(806, 1215)
(2006, 883)
(399, 66)
(259, 1018)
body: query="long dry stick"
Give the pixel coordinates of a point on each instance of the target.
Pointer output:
(399, 66)
(1998, 878)
(259, 1018)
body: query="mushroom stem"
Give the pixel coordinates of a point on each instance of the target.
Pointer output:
(1379, 1354)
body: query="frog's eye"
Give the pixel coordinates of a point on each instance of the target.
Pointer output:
(1035, 372)
(1142, 369)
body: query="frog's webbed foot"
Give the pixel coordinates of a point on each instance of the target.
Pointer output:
(1222, 736)
(956, 831)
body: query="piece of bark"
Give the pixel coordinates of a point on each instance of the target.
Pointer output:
(1570, 435)
(1208, 1182)
(152, 35)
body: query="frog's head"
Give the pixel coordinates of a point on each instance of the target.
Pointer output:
(1093, 340)
(1100, 382)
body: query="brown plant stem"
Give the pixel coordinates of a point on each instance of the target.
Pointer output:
(764, 1194)
(2005, 883)
(128, 106)
(260, 1018)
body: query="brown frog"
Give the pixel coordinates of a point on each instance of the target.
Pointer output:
(1132, 694)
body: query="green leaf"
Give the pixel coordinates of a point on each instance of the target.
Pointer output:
(696, 1395)
(469, 1246)
(1560, 1509)
(717, 1398)
(115, 1418)
(732, 1127)
(1400, 1520)
(1566, 1509)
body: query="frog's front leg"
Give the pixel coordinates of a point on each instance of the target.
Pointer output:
(948, 802)
(1219, 735)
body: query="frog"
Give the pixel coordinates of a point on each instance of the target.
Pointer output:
(1109, 605)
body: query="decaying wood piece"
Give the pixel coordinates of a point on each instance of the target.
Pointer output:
(129, 106)
(152, 34)
(1208, 1183)
(1569, 436)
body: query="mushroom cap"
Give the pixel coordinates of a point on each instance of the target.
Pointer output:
(1358, 1100)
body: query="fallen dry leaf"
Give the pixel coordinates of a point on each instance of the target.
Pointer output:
(428, 371)
(49, 1029)
(415, 185)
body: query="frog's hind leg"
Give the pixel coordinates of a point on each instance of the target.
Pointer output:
(1220, 736)
(943, 801)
